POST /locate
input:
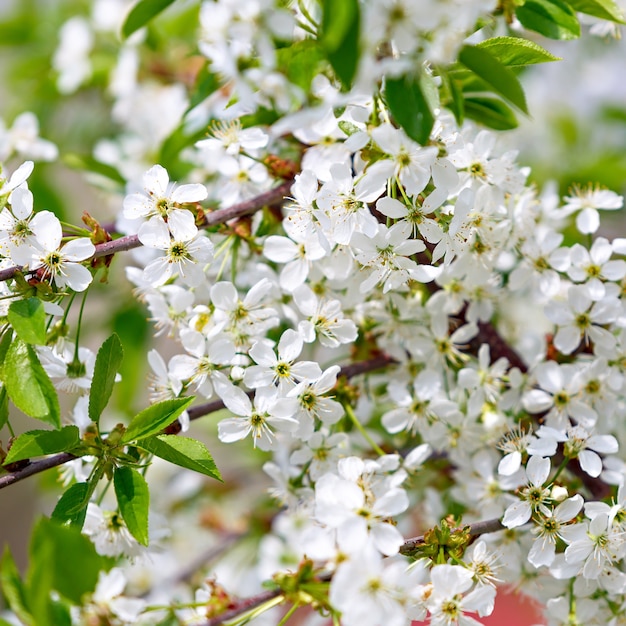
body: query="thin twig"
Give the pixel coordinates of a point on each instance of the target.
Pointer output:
(221, 216)
(475, 530)
(247, 604)
(364, 367)
(195, 412)
(269, 198)
(244, 605)
(34, 467)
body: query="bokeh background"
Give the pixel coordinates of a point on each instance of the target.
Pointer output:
(58, 59)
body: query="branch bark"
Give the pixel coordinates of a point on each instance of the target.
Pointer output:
(34, 467)
(475, 530)
(195, 412)
(213, 218)
(247, 604)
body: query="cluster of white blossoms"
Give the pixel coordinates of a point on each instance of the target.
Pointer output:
(413, 251)
(34, 241)
(406, 337)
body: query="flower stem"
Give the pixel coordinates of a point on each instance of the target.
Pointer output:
(561, 467)
(355, 420)
(288, 614)
(79, 324)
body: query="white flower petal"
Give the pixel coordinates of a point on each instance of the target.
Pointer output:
(78, 249)
(189, 193)
(590, 462)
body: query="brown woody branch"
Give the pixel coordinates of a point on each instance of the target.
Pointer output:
(34, 467)
(195, 412)
(475, 530)
(247, 604)
(213, 218)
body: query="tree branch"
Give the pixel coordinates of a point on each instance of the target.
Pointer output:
(195, 412)
(213, 218)
(244, 605)
(475, 530)
(34, 467)
(247, 604)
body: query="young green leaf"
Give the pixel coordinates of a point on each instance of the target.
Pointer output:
(4, 406)
(516, 52)
(491, 112)
(454, 99)
(108, 361)
(39, 442)
(28, 385)
(63, 548)
(72, 505)
(301, 62)
(409, 106)
(87, 163)
(58, 612)
(13, 589)
(206, 84)
(553, 18)
(5, 343)
(39, 584)
(155, 418)
(141, 14)
(339, 36)
(183, 451)
(28, 320)
(604, 9)
(499, 77)
(133, 499)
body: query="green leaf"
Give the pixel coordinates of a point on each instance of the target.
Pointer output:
(70, 558)
(141, 14)
(516, 52)
(4, 406)
(409, 106)
(59, 612)
(301, 62)
(131, 326)
(28, 385)
(183, 451)
(339, 36)
(206, 84)
(108, 361)
(28, 320)
(13, 589)
(553, 18)
(39, 583)
(491, 112)
(39, 442)
(86, 163)
(604, 9)
(5, 343)
(348, 128)
(456, 103)
(155, 418)
(133, 498)
(499, 77)
(174, 144)
(72, 505)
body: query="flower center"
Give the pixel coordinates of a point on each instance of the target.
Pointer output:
(178, 252)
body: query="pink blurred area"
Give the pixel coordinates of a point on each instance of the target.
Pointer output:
(512, 609)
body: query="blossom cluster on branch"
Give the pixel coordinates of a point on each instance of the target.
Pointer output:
(358, 280)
